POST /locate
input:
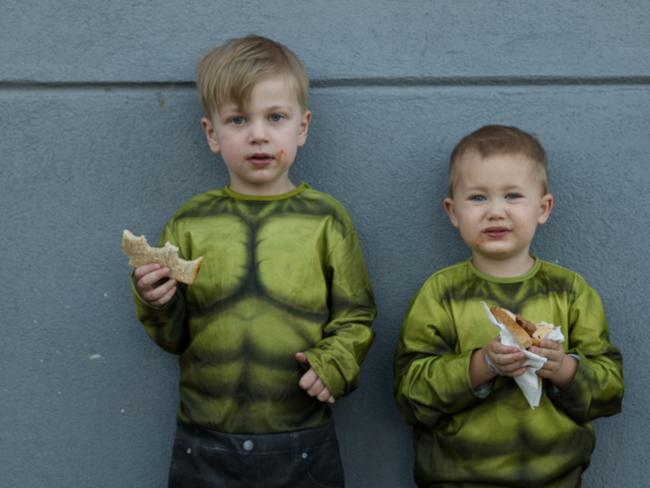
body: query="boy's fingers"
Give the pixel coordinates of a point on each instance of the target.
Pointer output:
(160, 287)
(302, 360)
(510, 367)
(307, 380)
(140, 271)
(507, 359)
(316, 388)
(548, 344)
(501, 349)
(311, 383)
(156, 284)
(170, 293)
(518, 372)
(325, 396)
(551, 353)
(160, 293)
(150, 279)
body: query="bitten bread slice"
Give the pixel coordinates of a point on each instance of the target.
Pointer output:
(140, 253)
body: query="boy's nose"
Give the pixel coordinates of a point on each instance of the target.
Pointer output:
(258, 133)
(495, 210)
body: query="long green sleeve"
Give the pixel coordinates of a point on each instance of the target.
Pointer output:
(337, 357)
(597, 388)
(165, 325)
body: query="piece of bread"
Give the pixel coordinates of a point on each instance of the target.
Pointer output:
(526, 324)
(140, 253)
(542, 331)
(507, 318)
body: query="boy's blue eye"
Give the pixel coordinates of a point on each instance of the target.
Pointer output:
(513, 195)
(237, 119)
(276, 117)
(476, 198)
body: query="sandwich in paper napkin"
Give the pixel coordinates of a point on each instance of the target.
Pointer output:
(529, 383)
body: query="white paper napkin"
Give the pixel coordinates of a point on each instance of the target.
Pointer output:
(529, 383)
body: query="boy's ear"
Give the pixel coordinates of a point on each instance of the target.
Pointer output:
(304, 128)
(208, 129)
(545, 208)
(450, 210)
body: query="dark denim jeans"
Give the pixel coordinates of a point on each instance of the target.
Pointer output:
(302, 459)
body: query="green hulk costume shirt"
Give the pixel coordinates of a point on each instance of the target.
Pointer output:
(280, 275)
(490, 436)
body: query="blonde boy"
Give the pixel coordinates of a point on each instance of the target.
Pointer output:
(274, 329)
(454, 379)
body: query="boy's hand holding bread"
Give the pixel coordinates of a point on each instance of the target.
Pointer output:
(559, 368)
(157, 269)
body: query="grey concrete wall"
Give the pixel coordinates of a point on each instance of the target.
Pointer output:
(99, 131)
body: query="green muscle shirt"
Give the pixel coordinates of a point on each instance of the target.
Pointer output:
(280, 275)
(490, 436)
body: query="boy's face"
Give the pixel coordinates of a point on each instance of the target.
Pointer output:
(497, 204)
(259, 143)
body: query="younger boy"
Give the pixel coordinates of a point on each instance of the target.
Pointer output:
(454, 379)
(275, 327)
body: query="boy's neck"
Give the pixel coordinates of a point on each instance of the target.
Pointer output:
(247, 195)
(263, 191)
(505, 268)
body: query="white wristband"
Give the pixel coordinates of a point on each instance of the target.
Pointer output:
(491, 365)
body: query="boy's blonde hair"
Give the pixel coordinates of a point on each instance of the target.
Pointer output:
(491, 140)
(228, 73)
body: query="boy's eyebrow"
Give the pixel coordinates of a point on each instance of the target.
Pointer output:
(280, 107)
(236, 109)
(481, 187)
(229, 109)
(477, 186)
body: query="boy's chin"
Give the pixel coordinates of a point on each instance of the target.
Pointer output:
(497, 249)
(508, 262)
(264, 186)
(500, 251)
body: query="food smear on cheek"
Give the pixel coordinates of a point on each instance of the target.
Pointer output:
(279, 156)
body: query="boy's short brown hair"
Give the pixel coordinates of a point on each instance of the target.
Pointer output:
(228, 73)
(491, 140)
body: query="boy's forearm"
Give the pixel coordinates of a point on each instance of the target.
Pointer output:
(337, 358)
(596, 389)
(430, 387)
(479, 371)
(164, 325)
(565, 374)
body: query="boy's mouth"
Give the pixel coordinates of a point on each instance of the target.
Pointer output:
(496, 232)
(260, 159)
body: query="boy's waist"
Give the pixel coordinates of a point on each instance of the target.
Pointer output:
(298, 440)
(260, 396)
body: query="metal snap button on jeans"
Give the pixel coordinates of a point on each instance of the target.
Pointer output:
(248, 445)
